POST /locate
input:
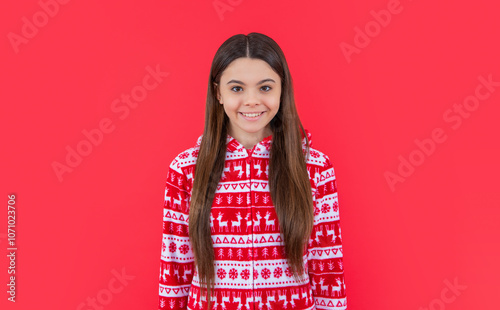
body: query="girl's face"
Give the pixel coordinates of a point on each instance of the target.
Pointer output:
(250, 92)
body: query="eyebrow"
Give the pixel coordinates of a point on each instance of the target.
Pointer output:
(240, 82)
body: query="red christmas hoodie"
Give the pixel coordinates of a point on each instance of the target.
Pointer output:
(250, 269)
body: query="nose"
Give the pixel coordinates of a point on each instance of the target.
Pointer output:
(252, 99)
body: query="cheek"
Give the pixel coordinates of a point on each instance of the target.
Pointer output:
(230, 107)
(274, 103)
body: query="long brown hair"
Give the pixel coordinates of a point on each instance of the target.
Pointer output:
(288, 178)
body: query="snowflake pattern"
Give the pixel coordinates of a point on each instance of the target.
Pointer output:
(245, 274)
(172, 247)
(325, 208)
(314, 154)
(184, 248)
(316, 211)
(233, 273)
(288, 272)
(335, 206)
(265, 273)
(221, 273)
(184, 155)
(278, 272)
(195, 153)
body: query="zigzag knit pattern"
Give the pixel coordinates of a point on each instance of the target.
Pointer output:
(250, 266)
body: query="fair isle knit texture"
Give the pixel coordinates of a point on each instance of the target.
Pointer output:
(251, 270)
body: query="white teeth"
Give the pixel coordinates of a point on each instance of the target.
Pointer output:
(252, 114)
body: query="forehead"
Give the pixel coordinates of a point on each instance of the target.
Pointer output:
(248, 69)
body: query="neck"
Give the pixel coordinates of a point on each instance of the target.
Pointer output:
(250, 140)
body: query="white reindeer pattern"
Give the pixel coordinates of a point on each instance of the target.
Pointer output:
(249, 221)
(236, 224)
(256, 225)
(337, 288)
(324, 288)
(240, 169)
(186, 273)
(222, 224)
(269, 223)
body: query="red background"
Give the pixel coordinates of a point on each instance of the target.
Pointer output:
(400, 244)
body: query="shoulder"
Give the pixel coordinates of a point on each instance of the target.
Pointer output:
(182, 167)
(318, 159)
(319, 166)
(185, 159)
(315, 158)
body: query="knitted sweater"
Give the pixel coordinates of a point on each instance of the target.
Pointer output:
(251, 271)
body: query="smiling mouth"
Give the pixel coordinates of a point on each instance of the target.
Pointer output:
(257, 114)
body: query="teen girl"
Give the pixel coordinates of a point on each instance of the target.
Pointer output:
(251, 214)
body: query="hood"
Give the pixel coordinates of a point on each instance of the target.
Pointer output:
(235, 145)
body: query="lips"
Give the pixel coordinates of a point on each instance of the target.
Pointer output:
(252, 116)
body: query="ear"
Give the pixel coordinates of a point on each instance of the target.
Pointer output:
(217, 92)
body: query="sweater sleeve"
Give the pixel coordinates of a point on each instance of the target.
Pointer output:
(177, 259)
(325, 265)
